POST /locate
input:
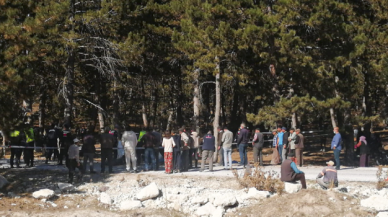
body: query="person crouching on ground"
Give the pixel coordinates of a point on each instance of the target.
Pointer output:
(168, 144)
(329, 175)
(290, 173)
(208, 148)
(73, 154)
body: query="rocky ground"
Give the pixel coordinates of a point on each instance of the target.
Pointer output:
(43, 192)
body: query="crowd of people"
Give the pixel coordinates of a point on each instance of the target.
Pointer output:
(180, 149)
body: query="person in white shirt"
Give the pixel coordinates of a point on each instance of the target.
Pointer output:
(168, 144)
(129, 142)
(74, 163)
(227, 139)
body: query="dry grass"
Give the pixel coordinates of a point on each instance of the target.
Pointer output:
(263, 181)
(382, 177)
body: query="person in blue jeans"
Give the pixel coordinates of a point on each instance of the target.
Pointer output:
(242, 144)
(149, 141)
(280, 145)
(336, 146)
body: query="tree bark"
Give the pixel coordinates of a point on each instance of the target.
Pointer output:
(332, 117)
(42, 105)
(294, 122)
(169, 121)
(217, 113)
(116, 114)
(196, 102)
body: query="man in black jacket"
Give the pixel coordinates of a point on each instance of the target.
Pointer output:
(258, 143)
(208, 148)
(285, 143)
(51, 140)
(177, 152)
(107, 143)
(65, 142)
(242, 144)
(88, 149)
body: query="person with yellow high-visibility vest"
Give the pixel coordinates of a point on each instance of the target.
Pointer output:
(29, 151)
(15, 140)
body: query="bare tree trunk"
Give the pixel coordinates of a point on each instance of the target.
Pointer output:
(143, 106)
(101, 120)
(294, 120)
(42, 105)
(196, 102)
(217, 112)
(116, 115)
(169, 121)
(332, 117)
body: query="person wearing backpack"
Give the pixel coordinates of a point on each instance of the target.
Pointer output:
(51, 142)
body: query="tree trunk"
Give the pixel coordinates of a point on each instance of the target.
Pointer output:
(217, 113)
(116, 114)
(169, 121)
(101, 119)
(294, 122)
(42, 105)
(332, 117)
(143, 105)
(196, 102)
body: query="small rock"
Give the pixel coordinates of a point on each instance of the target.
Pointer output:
(375, 202)
(253, 193)
(44, 193)
(65, 207)
(200, 200)
(44, 200)
(206, 210)
(345, 198)
(52, 204)
(130, 204)
(103, 189)
(105, 198)
(65, 187)
(344, 190)
(225, 200)
(3, 182)
(149, 192)
(13, 204)
(291, 188)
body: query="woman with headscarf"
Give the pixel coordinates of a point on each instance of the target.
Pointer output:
(364, 151)
(168, 144)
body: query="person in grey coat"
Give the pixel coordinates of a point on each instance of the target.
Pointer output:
(258, 143)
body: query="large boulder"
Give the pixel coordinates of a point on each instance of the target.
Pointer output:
(253, 193)
(130, 204)
(105, 198)
(3, 182)
(376, 202)
(292, 187)
(149, 192)
(225, 200)
(44, 194)
(65, 187)
(206, 210)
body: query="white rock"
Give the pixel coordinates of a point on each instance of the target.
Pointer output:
(105, 198)
(130, 204)
(253, 193)
(3, 182)
(177, 198)
(225, 200)
(199, 200)
(219, 212)
(65, 207)
(375, 202)
(292, 187)
(382, 214)
(149, 192)
(44, 193)
(52, 204)
(65, 186)
(206, 210)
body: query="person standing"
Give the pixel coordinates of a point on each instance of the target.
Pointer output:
(275, 152)
(177, 152)
(220, 146)
(185, 147)
(129, 142)
(227, 140)
(65, 142)
(285, 143)
(194, 150)
(258, 143)
(116, 134)
(364, 151)
(336, 146)
(158, 143)
(51, 139)
(168, 144)
(290, 173)
(107, 141)
(291, 140)
(89, 149)
(299, 146)
(242, 144)
(329, 175)
(74, 161)
(280, 143)
(29, 150)
(208, 149)
(15, 140)
(149, 142)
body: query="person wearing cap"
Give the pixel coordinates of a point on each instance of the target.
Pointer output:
(208, 148)
(299, 146)
(74, 162)
(329, 175)
(336, 146)
(290, 173)
(258, 143)
(280, 143)
(275, 152)
(285, 143)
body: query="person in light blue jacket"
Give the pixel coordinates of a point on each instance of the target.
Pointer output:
(336, 146)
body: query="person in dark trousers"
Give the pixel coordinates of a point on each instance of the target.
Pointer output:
(117, 135)
(290, 173)
(30, 141)
(329, 175)
(51, 140)
(15, 140)
(336, 146)
(65, 142)
(364, 151)
(89, 149)
(158, 143)
(193, 153)
(74, 161)
(219, 146)
(149, 143)
(177, 152)
(208, 149)
(107, 141)
(185, 149)
(286, 134)
(242, 144)
(258, 143)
